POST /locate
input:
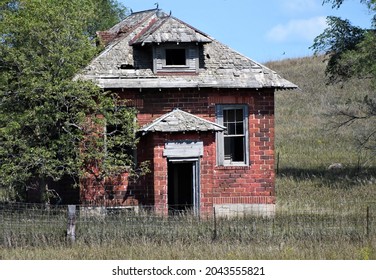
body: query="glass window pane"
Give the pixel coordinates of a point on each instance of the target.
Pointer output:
(239, 128)
(231, 129)
(239, 115)
(229, 116)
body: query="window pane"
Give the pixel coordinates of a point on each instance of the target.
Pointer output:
(231, 129)
(239, 115)
(239, 128)
(229, 116)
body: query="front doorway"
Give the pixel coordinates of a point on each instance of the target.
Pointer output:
(183, 186)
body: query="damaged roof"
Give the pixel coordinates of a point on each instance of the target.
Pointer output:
(117, 66)
(178, 121)
(172, 30)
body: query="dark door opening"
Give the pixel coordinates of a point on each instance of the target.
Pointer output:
(182, 186)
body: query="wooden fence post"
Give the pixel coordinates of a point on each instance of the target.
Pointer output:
(367, 222)
(277, 171)
(215, 224)
(71, 226)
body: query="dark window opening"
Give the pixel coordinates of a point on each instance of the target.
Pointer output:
(175, 57)
(234, 148)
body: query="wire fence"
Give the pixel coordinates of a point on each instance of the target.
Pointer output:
(46, 225)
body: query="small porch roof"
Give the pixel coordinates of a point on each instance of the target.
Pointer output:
(180, 121)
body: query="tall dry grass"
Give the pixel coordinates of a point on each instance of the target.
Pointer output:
(307, 146)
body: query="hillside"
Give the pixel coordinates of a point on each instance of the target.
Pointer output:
(305, 144)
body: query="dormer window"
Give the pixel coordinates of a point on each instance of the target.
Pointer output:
(176, 58)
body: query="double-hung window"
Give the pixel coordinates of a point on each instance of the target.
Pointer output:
(232, 144)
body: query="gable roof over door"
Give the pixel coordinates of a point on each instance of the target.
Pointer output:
(180, 121)
(221, 67)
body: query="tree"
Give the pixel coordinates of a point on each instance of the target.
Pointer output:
(47, 120)
(351, 53)
(106, 14)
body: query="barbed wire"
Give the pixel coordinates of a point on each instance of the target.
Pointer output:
(40, 225)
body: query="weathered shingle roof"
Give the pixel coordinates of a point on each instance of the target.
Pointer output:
(178, 121)
(222, 67)
(172, 30)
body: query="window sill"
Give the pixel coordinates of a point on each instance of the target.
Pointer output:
(233, 167)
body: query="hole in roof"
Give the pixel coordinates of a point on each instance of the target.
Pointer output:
(126, 66)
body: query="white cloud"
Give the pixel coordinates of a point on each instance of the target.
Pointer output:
(300, 5)
(297, 30)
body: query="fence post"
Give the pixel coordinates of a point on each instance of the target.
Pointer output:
(277, 171)
(71, 226)
(367, 222)
(215, 225)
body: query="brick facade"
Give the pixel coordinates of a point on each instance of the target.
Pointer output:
(218, 184)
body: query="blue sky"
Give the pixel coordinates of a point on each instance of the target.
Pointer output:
(263, 30)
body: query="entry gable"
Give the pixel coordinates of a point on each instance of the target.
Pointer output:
(180, 121)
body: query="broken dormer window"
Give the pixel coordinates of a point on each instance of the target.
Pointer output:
(175, 57)
(170, 58)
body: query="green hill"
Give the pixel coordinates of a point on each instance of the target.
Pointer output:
(306, 146)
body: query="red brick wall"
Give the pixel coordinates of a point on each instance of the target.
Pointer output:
(219, 184)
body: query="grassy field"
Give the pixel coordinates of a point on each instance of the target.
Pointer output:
(306, 148)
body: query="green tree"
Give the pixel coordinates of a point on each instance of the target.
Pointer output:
(107, 13)
(351, 53)
(47, 120)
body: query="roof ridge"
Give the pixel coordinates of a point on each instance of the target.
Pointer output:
(147, 29)
(194, 28)
(144, 11)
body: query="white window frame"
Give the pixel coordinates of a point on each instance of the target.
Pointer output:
(221, 160)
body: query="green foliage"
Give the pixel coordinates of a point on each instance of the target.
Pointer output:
(351, 52)
(107, 14)
(44, 113)
(371, 4)
(338, 38)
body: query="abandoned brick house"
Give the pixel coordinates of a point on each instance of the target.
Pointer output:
(205, 112)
